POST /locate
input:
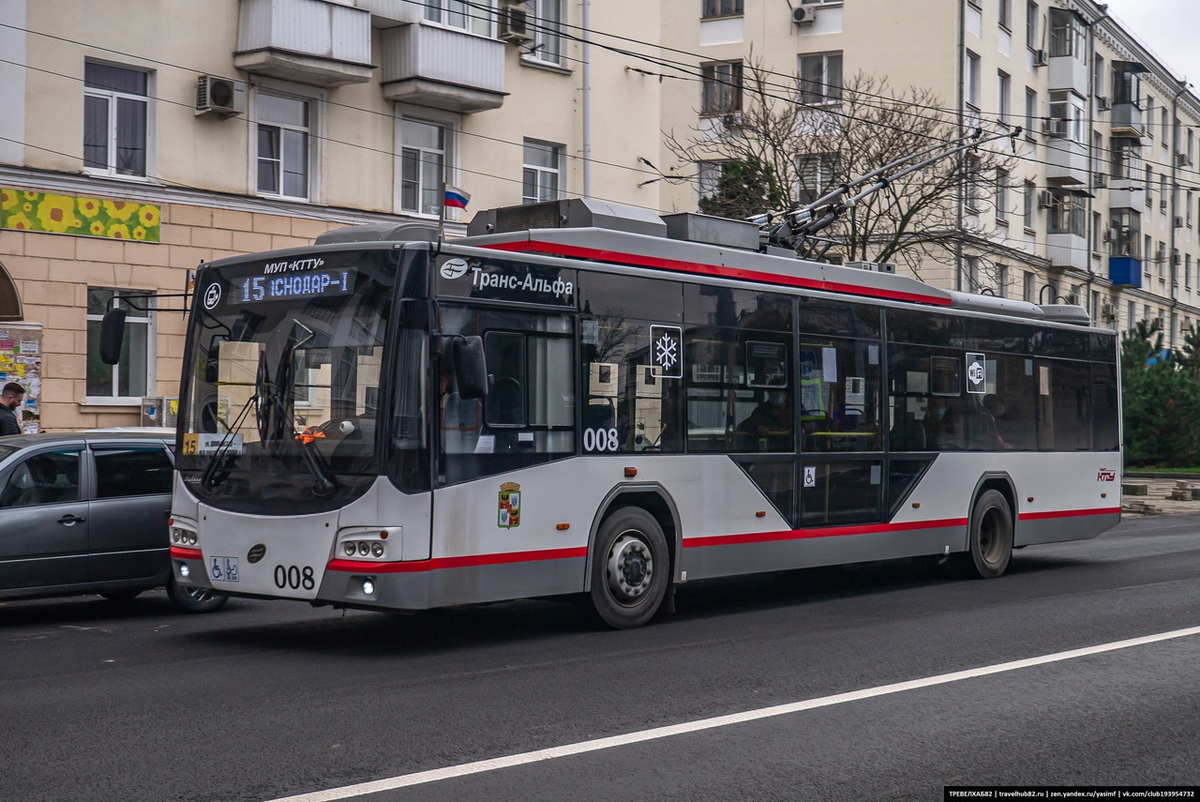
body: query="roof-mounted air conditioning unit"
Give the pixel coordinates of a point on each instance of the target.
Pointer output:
(514, 25)
(215, 95)
(804, 15)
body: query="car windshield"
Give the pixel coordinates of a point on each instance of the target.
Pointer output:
(284, 379)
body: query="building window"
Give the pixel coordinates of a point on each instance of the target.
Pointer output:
(547, 18)
(1067, 214)
(722, 87)
(1067, 35)
(1004, 96)
(541, 173)
(1127, 84)
(976, 189)
(1002, 281)
(1031, 26)
(473, 15)
(422, 166)
(708, 177)
(1098, 75)
(115, 119)
(1030, 205)
(1126, 159)
(1067, 115)
(1126, 233)
(722, 8)
(283, 146)
(1031, 114)
(821, 78)
(130, 377)
(815, 175)
(973, 79)
(1029, 289)
(1005, 14)
(1149, 117)
(1002, 196)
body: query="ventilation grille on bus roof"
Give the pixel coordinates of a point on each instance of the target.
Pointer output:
(571, 213)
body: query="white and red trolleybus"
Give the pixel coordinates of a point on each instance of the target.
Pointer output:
(580, 398)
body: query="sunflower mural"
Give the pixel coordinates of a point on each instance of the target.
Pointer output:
(22, 210)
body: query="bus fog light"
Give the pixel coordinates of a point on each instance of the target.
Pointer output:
(377, 549)
(184, 571)
(368, 587)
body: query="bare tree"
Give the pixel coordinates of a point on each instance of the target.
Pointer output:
(781, 153)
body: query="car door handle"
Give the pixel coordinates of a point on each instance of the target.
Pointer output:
(70, 520)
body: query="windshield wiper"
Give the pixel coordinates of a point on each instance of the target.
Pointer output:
(325, 485)
(209, 478)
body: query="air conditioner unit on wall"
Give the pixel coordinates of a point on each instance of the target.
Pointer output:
(215, 95)
(1103, 103)
(1039, 58)
(1045, 199)
(1178, 221)
(514, 25)
(1099, 180)
(804, 15)
(1055, 127)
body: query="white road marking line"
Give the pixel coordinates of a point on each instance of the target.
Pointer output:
(583, 747)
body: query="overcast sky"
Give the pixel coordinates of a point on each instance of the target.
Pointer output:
(1170, 29)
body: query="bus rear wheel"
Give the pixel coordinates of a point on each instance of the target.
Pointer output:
(991, 536)
(630, 569)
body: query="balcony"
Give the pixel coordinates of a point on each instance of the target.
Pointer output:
(1068, 72)
(1127, 120)
(389, 13)
(1067, 250)
(1066, 162)
(1125, 271)
(1125, 193)
(308, 41)
(443, 68)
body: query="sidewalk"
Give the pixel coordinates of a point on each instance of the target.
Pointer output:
(1158, 498)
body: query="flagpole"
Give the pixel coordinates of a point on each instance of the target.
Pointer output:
(442, 213)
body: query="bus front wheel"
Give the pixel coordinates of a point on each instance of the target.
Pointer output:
(991, 536)
(630, 569)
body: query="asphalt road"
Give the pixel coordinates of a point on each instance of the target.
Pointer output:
(775, 687)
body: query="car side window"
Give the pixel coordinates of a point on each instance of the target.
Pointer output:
(46, 478)
(124, 472)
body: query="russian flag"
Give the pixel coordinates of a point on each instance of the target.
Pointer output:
(456, 198)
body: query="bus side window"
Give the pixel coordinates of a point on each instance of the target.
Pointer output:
(505, 402)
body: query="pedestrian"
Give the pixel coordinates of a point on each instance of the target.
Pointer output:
(10, 399)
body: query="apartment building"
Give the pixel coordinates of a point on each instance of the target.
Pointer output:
(1101, 206)
(140, 139)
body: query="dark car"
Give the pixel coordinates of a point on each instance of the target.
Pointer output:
(86, 513)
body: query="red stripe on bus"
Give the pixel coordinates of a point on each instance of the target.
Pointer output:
(465, 561)
(1041, 516)
(832, 531)
(602, 255)
(186, 554)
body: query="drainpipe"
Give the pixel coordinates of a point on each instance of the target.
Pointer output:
(1173, 207)
(587, 98)
(962, 110)
(1091, 151)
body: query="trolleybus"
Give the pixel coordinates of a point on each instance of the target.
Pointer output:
(582, 398)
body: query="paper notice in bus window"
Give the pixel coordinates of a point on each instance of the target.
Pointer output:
(486, 444)
(1044, 379)
(829, 365)
(856, 391)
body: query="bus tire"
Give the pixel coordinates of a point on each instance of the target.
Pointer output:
(990, 546)
(631, 568)
(191, 599)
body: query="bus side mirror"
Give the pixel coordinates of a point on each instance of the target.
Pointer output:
(470, 366)
(112, 335)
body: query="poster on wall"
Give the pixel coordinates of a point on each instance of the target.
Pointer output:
(21, 362)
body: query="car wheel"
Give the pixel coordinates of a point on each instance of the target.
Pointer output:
(195, 600)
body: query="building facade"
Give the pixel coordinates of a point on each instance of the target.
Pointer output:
(131, 150)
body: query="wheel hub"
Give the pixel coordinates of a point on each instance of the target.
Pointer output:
(630, 568)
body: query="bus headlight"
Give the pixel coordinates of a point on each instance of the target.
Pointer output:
(369, 543)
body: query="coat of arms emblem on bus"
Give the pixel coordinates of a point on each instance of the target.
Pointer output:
(510, 505)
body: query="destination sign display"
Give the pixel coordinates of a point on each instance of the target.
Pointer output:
(507, 281)
(296, 286)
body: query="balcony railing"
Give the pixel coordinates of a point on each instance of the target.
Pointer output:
(1127, 120)
(307, 41)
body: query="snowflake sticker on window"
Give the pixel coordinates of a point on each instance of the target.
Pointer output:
(666, 351)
